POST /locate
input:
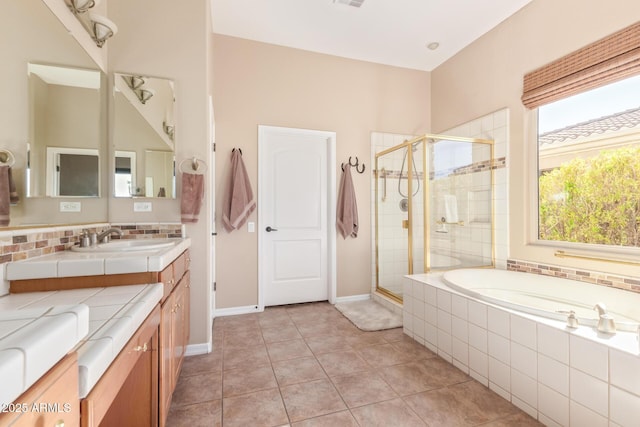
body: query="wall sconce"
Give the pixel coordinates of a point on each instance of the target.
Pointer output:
(144, 94)
(81, 6)
(101, 28)
(168, 129)
(134, 82)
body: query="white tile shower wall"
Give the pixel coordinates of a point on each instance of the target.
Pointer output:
(547, 370)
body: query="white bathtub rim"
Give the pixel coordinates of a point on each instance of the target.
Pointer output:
(622, 341)
(623, 305)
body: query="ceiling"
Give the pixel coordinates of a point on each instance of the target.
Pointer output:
(392, 32)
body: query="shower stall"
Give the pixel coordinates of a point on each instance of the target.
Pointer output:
(433, 208)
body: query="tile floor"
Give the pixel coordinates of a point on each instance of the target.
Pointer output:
(307, 365)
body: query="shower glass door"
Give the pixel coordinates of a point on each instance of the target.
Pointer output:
(396, 184)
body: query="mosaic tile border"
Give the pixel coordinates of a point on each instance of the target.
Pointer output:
(40, 242)
(597, 278)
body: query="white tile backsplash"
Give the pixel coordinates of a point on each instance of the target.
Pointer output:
(553, 405)
(625, 407)
(478, 314)
(525, 388)
(499, 322)
(625, 371)
(553, 374)
(581, 416)
(523, 331)
(524, 360)
(553, 343)
(499, 347)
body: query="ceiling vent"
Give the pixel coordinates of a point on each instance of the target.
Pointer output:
(354, 3)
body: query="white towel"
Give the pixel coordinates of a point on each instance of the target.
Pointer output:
(448, 208)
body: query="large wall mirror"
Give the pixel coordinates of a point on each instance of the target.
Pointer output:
(53, 119)
(143, 137)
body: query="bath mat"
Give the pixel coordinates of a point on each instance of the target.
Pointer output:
(369, 315)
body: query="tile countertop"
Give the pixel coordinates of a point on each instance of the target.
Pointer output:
(73, 264)
(106, 319)
(34, 339)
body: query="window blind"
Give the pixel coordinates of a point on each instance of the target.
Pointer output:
(612, 58)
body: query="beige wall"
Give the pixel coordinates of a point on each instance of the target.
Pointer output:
(260, 84)
(169, 40)
(487, 76)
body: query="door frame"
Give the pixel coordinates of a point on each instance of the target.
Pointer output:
(263, 130)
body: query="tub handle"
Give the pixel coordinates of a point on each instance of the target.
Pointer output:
(572, 320)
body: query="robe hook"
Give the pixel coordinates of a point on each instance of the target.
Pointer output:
(356, 164)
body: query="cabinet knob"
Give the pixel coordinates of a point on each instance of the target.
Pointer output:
(59, 423)
(141, 348)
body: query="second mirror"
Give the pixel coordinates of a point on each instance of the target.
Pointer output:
(143, 136)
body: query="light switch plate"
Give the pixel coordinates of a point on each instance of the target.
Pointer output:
(251, 227)
(70, 206)
(142, 207)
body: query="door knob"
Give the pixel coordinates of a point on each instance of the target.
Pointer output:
(269, 229)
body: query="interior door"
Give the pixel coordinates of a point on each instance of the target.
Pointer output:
(294, 197)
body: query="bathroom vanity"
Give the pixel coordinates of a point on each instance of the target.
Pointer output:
(128, 355)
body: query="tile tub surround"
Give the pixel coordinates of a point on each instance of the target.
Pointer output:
(558, 375)
(307, 365)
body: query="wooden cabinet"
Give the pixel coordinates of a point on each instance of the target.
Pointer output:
(174, 332)
(51, 401)
(127, 393)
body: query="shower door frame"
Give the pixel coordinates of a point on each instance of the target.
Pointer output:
(407, 144)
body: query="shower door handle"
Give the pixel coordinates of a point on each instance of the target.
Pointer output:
(269, 229)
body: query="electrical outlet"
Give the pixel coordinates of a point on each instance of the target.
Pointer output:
(70, 206)
(142, 207)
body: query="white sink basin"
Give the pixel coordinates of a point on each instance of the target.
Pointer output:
(128, 245)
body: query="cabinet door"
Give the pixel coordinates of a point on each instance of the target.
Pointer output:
(178, 330)
(166, 357)
(167, 278)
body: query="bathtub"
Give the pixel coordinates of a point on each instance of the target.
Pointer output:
(546, 296)
(503, 329)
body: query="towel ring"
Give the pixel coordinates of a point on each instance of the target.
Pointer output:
(195, 165)
(7, 158)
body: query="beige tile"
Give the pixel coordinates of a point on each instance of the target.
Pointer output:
(286, 350)
(384, 414)
(366, 339)
(413, 349)
(363, 388)
(327, 344)
(194, 365)
(207, 414)
(382, 355)
(465, 404)
(280, 333)
(197, 389)
(316, 329)
(276, 321)
(243, 339)
(245, 357)
(247, 380)
(298, 370)
(342, 363)
(520, 420)
(311, 399)
(259, 409)
(394, 335)
(338, 419)
(423, 375)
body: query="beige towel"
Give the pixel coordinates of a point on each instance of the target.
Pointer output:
(8, 194)
(347, 211)
(192, 194)
(238, 199)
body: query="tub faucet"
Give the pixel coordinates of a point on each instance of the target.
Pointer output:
(606, 323)
(104, 236)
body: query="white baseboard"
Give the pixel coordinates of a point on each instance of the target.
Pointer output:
(351, 298)
(195, 349)
(232, 311)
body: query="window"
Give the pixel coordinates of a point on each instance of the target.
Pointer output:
(589, 166)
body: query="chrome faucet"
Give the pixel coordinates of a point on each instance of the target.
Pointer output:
(606, 323)
(104, 236)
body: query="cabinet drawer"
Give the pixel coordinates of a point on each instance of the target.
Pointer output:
(52, 401)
